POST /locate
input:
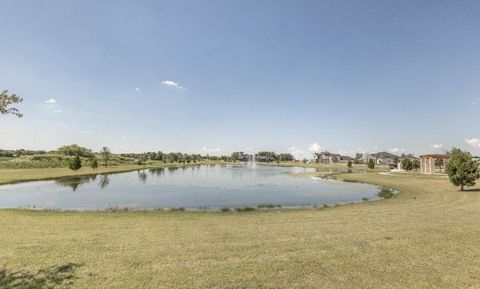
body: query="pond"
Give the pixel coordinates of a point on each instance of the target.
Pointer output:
(198, 187)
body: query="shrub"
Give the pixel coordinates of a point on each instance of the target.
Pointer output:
(462, 170)
(385, 193)
(245, 209)
(75, 164)
(371, 164)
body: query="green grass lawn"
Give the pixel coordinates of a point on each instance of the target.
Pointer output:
(22, 175)
(426, 237)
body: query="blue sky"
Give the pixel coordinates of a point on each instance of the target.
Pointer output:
(219, 76)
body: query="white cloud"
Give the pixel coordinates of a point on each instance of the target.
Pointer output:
(50, 101)
(396, 150)
(210, 150)
(437, 146)
(57, 111)
(296, 153)
(476, 101)
(137, 89)
(474, 142)
(173, 84)
(315, 147)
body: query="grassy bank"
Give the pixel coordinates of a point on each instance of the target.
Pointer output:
(8, 176)
(427, 237)
(326, 168)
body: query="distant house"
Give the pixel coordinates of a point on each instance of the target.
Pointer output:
(384, 158)
(328, 158)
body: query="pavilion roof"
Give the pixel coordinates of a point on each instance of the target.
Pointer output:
(435, 156)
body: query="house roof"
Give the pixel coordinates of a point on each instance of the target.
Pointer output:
(384, 155)
(326, 153)
(346, 158)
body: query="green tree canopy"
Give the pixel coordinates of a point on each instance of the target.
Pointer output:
(236, 156)
(371, 164)
(6, 102)
(93, 163)
(407, 164)
(462, 170)
(75, 164)
(75, 150)
(105, 152)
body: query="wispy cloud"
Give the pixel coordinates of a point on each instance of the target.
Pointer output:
(173, 84)
(437, 146)
(473, 142)
(476, 101)
(315, 147)
(137, 89)
(52, 105)
(396, 150)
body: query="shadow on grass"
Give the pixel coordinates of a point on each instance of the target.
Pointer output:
(472, 190)
(51, 277)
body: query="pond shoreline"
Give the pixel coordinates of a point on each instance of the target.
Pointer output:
(312, 199)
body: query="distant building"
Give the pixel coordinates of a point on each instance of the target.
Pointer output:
(328, 158)
(384, 158)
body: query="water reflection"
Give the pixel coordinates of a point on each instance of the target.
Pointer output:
(157, 172)
(104, 181)
(142, 176)
(75, 182)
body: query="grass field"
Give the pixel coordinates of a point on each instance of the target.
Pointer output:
(426, 237)
(21, 175)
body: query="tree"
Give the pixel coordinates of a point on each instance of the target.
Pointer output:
(462, 170)
(285, 157)
(371, 164)
(105, 152)
(93, 163)
(236, 156)
(349, 164)
(439, 163)
(75, 150)
(416, 164)
(7, 100)
(407, 165)
(75, 164)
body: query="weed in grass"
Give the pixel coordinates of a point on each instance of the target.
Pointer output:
(269, 206)
(52, 277)
(245, 209)
(179, 209)
(386, 193)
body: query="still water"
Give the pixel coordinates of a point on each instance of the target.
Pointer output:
(204, 186)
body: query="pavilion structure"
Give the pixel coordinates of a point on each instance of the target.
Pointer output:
(427, 163)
